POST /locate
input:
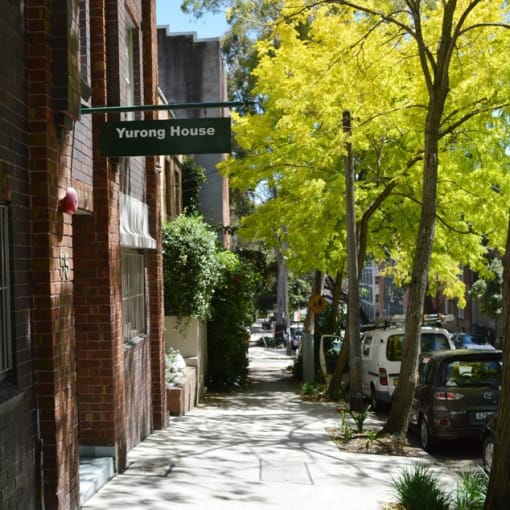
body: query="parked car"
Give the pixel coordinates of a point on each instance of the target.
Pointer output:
(464, 340)
(487, 440)
(456, 392)
(381, 356)
(296, 333)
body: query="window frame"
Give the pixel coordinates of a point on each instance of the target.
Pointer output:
(134, 295)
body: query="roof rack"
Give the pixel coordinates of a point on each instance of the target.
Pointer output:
(437, 318)
(398, 320)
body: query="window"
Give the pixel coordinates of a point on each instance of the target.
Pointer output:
(394, 347)
(85, 51)
(129, 70)
(367, 342)
(5, 298)
(474, 373)
(134, 309)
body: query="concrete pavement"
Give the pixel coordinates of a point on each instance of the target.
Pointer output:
(260, 448)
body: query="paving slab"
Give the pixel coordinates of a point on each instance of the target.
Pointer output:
(260, 448)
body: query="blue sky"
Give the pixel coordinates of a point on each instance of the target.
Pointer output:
(168, 13)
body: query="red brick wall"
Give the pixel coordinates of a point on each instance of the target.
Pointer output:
(115, 383)
(155, 259)
(19, 456)
(138, 411)
(66, 269)
(52, 288)
(100, 348)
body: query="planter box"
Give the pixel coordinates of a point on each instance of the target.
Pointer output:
(181, 397)
(190, 339)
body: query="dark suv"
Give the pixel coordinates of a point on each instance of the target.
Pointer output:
(456, 392)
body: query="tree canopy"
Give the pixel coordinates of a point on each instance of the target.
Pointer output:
(359, 61)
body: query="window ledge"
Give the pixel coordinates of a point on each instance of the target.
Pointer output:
(10, 395)
(136, 340)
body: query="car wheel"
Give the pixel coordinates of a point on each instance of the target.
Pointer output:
(426, 441)
(374, 403)
(488, 451)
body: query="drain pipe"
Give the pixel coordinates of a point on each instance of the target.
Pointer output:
(39, 454)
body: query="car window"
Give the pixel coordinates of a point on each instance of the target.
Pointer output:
(431, 342)
(367, 342)
(394, 347)
(475, 339)
(473, 373)
(425, 372)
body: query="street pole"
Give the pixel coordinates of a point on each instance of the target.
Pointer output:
(308, 347)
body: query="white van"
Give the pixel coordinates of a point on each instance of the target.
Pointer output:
(381, 354)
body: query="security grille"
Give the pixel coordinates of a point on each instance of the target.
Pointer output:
(133, 295)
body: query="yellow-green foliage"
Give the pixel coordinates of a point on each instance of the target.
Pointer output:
(356, 60)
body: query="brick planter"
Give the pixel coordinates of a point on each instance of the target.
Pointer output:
(181, 397)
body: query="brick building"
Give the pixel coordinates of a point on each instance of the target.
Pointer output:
(81, 297)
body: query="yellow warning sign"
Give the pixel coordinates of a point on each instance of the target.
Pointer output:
(317, 304)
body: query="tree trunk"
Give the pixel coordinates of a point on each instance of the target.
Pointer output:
(282, 299)
(398, 418)
(341, 363)
(437, 79)
(498, 493)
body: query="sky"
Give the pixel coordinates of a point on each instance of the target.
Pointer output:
(168, 13)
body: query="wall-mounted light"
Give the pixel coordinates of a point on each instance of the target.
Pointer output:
(69, 204)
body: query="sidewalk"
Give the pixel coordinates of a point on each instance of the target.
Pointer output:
(261, 448)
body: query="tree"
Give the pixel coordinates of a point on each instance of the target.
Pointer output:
(498, 492)
(488, 290)
(193, 179)
(413, 105)
(190, 267)
(233, 308)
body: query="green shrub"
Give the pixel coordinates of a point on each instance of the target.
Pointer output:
(419, 488)
(315, 390)
(190, 267)
(232, 311)
(471, 491)
(360, 418)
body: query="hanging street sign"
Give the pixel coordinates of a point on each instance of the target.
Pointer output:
(165, 137)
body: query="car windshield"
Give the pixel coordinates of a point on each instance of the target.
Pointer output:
(429, 342)
(475, 339)
(477, 372)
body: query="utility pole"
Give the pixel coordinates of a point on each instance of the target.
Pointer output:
(355, 394)
(308, 333)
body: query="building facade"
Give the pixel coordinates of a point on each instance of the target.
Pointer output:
(192, 71)
(82, 350)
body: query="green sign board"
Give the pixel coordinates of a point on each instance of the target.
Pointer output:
(161, 137)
